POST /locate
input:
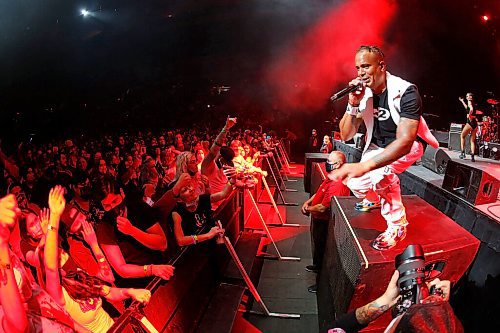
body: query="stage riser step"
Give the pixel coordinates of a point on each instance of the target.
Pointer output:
(221, 312)
(246, 249)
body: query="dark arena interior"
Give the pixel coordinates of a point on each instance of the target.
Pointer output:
(250, 166)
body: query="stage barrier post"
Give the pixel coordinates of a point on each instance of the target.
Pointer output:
(278, 186)
(280, 177)
(280, 164)
(283, 224)
(283, 158)
(287, 158)
(268, 233)
(251, 286)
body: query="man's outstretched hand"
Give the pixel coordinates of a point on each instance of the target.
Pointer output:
(349, 170)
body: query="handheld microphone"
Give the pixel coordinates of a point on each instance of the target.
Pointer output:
(345, 91)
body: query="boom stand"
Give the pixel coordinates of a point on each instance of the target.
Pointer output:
(268, 233)
(280, 177)
(282, 224)
(251, 286)
(278, 186)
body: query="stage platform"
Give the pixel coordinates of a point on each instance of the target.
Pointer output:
(283, 285)
(354, 273)
(426, 176)
(482, 221)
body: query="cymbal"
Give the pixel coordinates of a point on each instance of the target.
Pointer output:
(492, 101)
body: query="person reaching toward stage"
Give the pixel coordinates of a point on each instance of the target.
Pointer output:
(391, 109)
(470, 126)
(80, 294)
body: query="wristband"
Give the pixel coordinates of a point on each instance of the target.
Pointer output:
(50, 227)
(195, 239)
(352, 110)
(5, 266)
(145, 267)
(217, 144)
(105, 290)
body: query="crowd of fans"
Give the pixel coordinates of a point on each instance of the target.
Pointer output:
(85, 225)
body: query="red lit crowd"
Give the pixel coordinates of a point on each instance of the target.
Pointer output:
(84, 226)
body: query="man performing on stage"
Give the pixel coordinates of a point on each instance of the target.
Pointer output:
(391, 109)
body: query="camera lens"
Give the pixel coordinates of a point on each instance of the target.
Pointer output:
(411, 265)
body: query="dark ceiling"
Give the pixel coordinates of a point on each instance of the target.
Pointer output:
(150, 56)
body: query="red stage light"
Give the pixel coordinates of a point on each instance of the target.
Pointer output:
(306, 73)
(485, 18)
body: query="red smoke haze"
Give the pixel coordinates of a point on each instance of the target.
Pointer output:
(306, 74)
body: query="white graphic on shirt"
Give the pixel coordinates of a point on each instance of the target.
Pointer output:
(200, 219)
(381, 114)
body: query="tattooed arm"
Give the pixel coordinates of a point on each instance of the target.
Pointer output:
(375, 309)
(359, 319)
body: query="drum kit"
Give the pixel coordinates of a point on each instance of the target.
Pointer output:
(489, 127)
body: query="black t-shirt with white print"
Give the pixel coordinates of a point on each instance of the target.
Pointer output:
(384, 127)
(193, 222)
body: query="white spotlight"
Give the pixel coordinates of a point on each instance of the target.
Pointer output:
(84, 12)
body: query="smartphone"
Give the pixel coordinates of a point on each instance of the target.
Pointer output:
(150, 202)
(220, 163)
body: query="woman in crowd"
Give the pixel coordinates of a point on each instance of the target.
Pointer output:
(193, 213)
(186, 163)
(25, 307)
(327, 146)
(80, 294)
(200, 155)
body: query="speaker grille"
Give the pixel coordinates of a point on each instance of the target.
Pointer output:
(346, 266)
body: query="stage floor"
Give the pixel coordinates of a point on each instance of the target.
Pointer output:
(485, 164)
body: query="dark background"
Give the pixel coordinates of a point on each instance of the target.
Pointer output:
(135, 64)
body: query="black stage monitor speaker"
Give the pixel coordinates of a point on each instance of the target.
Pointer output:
(318, 174)
(310, 158)
(435, 159)
(454, 138)
(442, 137)
(471, 184)
(353, 273)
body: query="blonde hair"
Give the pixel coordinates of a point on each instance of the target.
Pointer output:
(182, 163)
